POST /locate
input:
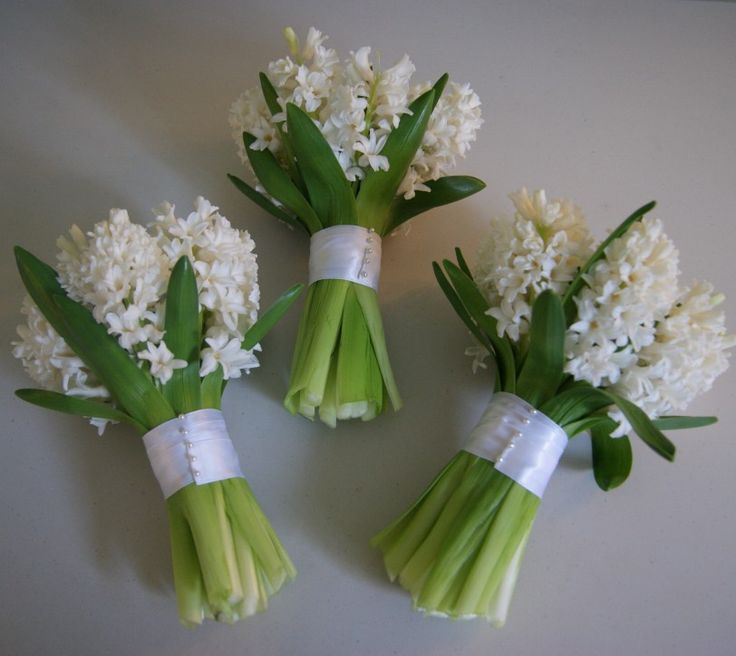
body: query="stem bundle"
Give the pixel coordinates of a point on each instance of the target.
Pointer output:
(458, 549)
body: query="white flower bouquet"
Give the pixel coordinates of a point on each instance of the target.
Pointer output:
(146, 327)
(603, 341)
(348, 152)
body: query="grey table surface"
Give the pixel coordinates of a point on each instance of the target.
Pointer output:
(124, 104)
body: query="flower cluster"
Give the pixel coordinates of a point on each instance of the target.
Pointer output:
(541, 247)
(356, 104)
(120, 271)
(636, 331)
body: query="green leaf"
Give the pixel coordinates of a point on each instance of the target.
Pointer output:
(130, 387)
(212, 388)
(578, 281)
(477, 307)
(439, 88)
(459, 308)
(277, 183)
(578, 401)
(612, 457)
(442, 192)
(462, 263)
(41, 283)
(270, 95)
(643, 426)
(75, 406)
(264, 203)
(330, 193)
(378, 189)
(271, 316)
(675, 422)
(542, 372)
(586, 424)
(183, 326)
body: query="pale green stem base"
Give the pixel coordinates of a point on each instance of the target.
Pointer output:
(226, 557)
(340, 368)
(458, 549)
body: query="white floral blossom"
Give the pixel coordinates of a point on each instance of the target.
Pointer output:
(226, 352)
(370, 146)
(356, 104)
(540, 248)
(162, 361)
(120, 272)
(636, 331)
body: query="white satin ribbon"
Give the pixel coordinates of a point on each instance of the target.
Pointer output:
(192, 448)
(523, 443)
(345, 252)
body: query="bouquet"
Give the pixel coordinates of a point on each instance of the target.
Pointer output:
(348, 152)
(601, 340)
(146, 327)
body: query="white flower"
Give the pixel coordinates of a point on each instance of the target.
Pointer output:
(116, 266)
(451, 129)
(162, 361)
(371, 146)
(350, 102)
(50, 362)
(228, 353)
(628, 292)
(120, 272)
(540, 248)
(689, 351)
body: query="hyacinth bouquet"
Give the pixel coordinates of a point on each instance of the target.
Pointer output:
(146, 327)
(331, 144)
(599, 340)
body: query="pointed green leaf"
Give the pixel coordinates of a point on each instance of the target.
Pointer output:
(130, 387)
(270, 95)
(675, 422)
(462, 263)
(72, 405)
(41, 283)
(330, 194)
(212, 388)
(578, 282)
(443, 191)
(542, 373)
(264, 203)
(378, 189)
(573, 404)
(612, 457)
(477, 307)
(271, 316)
(459, 308)
(643, 426)
(183, 326)
(439, 88)
(586, 424)
(277, 183)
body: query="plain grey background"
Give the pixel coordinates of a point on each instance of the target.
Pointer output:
(124, 104)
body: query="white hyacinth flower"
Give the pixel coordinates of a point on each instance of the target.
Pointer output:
(162, 361)
(352, 101)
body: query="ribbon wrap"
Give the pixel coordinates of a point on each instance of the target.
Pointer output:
(523, 443)
(345, 252)
(192, 448)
